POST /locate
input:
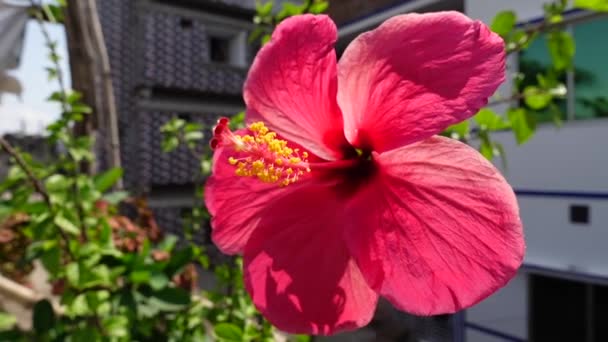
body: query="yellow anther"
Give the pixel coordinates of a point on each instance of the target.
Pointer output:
(265, 157)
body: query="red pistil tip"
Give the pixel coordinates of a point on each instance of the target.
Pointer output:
(218, 129)
(214, 143)
(223, 121)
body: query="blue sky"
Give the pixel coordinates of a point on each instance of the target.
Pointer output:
(32, 112)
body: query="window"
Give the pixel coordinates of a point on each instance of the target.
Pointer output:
(579, 213)
(228, 47)
(219, 50)
(587, 82)
(565, 310)
(591, 69)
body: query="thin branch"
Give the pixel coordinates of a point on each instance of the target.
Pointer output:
(53, 48)
(64, 107)
(36, 183)
(522, 95)
(513, 98)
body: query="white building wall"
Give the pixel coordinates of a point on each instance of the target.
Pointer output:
(559, 162)
(505, 311)
(570, 159)
(485, 10)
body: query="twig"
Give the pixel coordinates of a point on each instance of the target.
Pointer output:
(514, 97)
(64, 107)
(36, 183)
(522, 95)
(53, 48)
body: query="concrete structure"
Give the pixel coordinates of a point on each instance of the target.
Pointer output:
(183, 58)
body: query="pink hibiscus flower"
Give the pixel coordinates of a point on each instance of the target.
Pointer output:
(340, 191)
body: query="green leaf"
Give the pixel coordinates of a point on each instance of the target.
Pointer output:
(265, 9)
(168, 243)
(488, 119)
(51, 73)
(561, 48)
(116, 197)
(302, 338)
(523, 125)
(265, 39)
(173, 125)
(536, 98)
(73, 97)
(56, 97)
(158, 280)
(178, 260)
(193, 136)
(170, 299)
(140, 276)
(289, 10)
(86, 333)
(504, 22)
(72, 273)
(79, 306)
(595, 5)
(117, 326)
(57, 182)
(256, 34)
(500, 151)
(66, 225)
(169, 144)
(7, 321)
(80, 153)
(319, 7)
(106, 180)
(81, 108)
(459, 130)
(237, 121)
(98, 275)
(43, 317)
(192, 127)
(51, 259)
(228, 332)
(520, 39)
(486, 148)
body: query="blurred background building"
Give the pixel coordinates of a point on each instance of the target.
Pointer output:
(185, 59)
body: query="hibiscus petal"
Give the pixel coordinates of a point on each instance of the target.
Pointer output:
(298, 269)
(438, 230)
(292, 85)
(416, 74)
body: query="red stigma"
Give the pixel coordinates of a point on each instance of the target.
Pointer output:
(214, 143)
(223, 121)
(220, 127)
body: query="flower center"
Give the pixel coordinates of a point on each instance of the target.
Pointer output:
(261, 154)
